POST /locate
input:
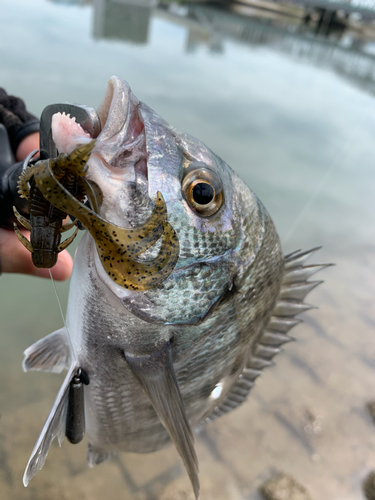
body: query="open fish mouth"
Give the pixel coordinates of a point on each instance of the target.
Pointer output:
(125, 225)
(119, 160)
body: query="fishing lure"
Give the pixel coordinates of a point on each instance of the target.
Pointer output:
(46, 221)
(119, 247)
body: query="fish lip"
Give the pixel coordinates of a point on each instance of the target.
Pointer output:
(119, 115)
(112, 104)
(122, 142)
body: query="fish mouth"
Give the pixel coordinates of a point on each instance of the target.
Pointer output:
(119, 161)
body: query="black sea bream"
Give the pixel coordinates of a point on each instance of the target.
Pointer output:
(170, 334)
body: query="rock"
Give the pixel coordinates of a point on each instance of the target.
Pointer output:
(284, 487)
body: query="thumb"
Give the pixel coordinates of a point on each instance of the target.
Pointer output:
(15, 258)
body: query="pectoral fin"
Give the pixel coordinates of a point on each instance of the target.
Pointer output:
(53, 426)
(156, 375)
(50, 354)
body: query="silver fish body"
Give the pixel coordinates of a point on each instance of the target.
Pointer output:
(166, 359)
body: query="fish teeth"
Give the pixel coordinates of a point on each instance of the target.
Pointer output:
(73, 118)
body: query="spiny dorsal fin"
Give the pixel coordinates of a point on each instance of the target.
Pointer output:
(298, 258)
(294, 289)
(297, 291)
(157, 378)
(49, 354)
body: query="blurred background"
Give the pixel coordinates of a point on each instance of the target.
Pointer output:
(284, 93)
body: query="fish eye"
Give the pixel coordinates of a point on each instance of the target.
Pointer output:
(202, 189)
(203, 193)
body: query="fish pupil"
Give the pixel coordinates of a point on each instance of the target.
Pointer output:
(203, 193)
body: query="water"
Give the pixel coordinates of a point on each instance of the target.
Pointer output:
(294, 115)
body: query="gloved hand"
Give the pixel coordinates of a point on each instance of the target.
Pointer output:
(18, 122)
(20, 138)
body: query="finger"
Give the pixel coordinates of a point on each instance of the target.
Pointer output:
(15, 258)
(28, 144)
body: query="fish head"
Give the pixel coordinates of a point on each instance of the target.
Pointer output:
(217, 221)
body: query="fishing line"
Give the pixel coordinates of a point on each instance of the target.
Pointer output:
(61, 312)
(57, 297)
(315, 193)
(309, 202)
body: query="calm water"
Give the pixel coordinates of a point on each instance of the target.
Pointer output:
(294, 115)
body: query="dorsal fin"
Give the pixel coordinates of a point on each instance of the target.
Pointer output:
(294, 288)
(157, 377)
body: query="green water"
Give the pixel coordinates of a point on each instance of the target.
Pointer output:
(296, 119)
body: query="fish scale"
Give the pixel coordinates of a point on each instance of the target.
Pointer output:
(205, 245)
(217, 305)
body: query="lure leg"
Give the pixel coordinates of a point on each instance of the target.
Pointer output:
(68, 226)
(67, 242)
(80, 156)
(23, 188)
(22, 220)
(25, 242)
(94, 194)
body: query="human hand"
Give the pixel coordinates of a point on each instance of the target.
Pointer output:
(14, 257)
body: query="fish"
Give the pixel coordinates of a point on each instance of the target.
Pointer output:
(180, 294)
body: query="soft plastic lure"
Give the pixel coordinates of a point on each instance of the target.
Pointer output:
(46, 221)
(117, 247)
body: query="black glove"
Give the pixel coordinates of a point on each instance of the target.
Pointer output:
(16, 119)
(15, 124)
